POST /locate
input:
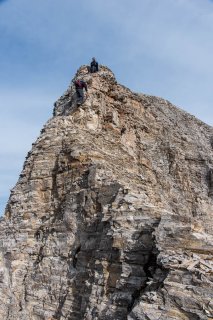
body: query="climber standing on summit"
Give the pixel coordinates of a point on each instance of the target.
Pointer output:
(93, 66)
(80, 85)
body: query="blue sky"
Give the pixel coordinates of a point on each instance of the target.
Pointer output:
(158, 47)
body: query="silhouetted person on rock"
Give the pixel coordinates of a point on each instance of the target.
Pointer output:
(93, 66)
(80, 85)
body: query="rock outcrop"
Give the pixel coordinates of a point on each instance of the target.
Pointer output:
(111, 218)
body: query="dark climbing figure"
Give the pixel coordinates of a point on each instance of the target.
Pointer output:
(93, 66)
(80, 85)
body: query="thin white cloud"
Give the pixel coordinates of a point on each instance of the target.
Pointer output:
(177, 32)
(23, 116)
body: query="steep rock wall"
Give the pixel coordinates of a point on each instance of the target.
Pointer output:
(111, 217)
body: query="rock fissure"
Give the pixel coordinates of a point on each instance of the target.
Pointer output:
(210, 182)
(62, 299)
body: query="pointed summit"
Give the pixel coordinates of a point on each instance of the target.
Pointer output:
(111, 216)
(100, 81)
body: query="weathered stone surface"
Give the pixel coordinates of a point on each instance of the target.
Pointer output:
(111, 217)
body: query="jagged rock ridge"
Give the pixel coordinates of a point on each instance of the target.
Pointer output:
(111, 216)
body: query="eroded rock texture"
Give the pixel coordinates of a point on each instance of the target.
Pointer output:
(111, 217)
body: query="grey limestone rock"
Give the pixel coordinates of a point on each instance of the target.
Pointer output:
(111, 218)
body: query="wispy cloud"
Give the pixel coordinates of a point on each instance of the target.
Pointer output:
(166, 48)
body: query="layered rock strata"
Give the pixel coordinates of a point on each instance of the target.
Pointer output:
(111, 217)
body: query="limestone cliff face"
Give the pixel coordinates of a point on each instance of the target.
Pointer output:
(111, 217)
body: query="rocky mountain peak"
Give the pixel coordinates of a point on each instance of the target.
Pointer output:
(103, 81)
(111, 218)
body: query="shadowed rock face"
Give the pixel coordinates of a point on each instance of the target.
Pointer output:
(111, 217)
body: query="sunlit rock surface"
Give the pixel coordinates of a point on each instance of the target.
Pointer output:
(111, 217)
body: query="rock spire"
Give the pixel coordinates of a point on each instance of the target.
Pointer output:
(111, 218)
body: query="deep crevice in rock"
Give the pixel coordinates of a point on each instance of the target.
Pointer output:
(155, 276)
(75, 256)
(191, 315)
(92, 244)
(210, 182)
(62, 299)
(40, 256)
(146, 275)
